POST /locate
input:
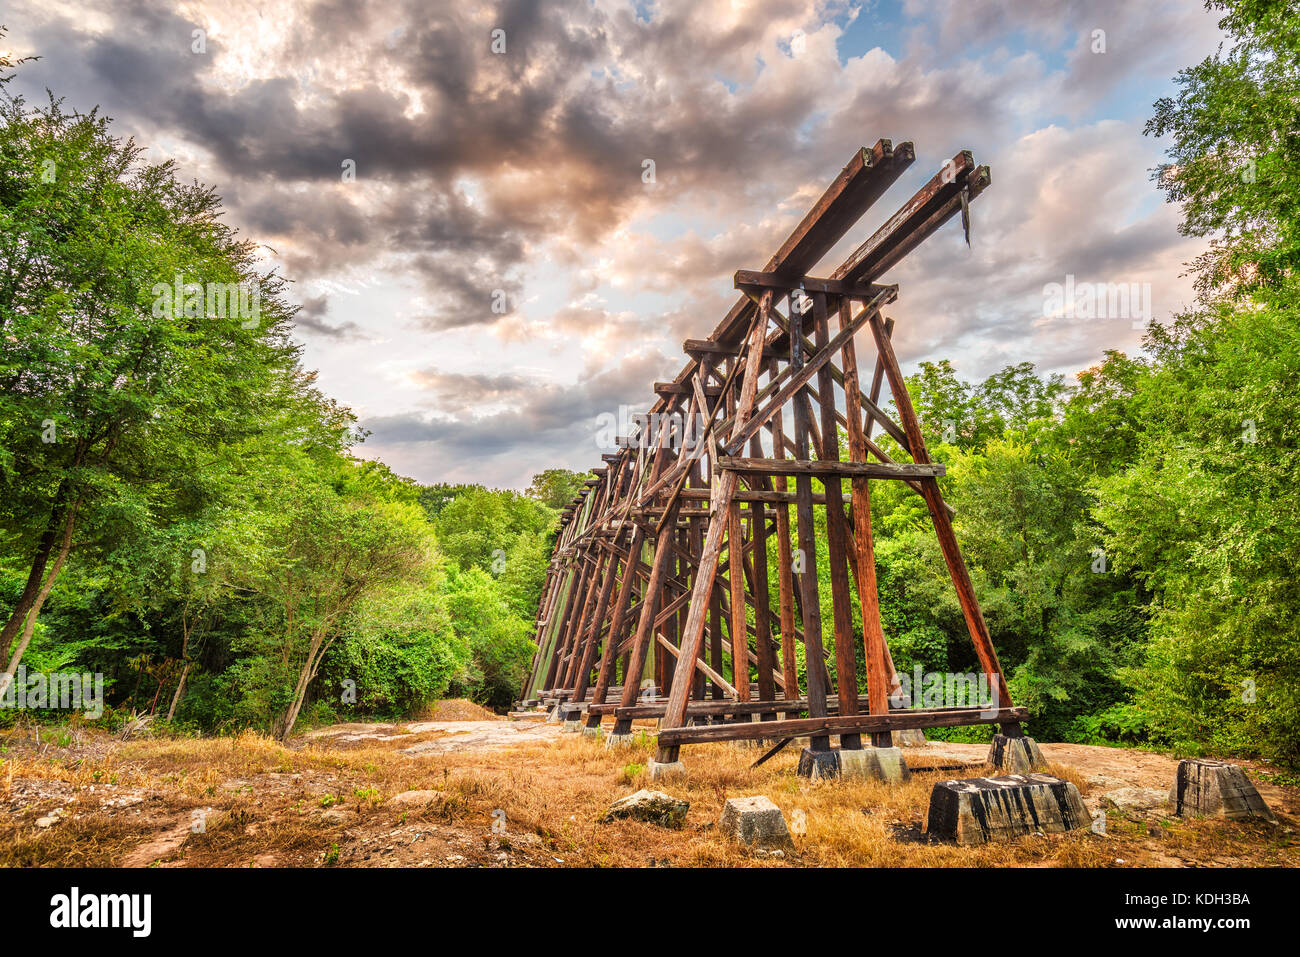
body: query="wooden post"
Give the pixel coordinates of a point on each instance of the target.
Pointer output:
(979, 632)
(846, 675)
(879, 671)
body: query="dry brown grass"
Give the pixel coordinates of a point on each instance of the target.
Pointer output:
(265, 803)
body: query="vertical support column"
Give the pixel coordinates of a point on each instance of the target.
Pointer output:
(943, 525)
(575, 579)
(626, 589)
(645, 631)
(739, 630)
(846, 676)
(812, 622)
(762, 614)
(706, 572)
(784, 572)
(597, 620)
(879, 669)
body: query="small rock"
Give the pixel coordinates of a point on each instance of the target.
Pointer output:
(46, 821)
(338, 815)
(416, 798)
(654, 807)
(1136, 799)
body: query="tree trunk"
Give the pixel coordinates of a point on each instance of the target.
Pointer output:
(180, 687)
(300, 690)
(7, 678)
(33, 586)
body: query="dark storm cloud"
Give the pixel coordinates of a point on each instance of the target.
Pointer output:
(534, 414)
(311, 317)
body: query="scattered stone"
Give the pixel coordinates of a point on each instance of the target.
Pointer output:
(1017, 755)
(48, 821)
(1135, 799)
(1216, 789)
(755, 822)
(655, 807)
(124, 801)
(338, 815)
(416, 798)
(980, 810)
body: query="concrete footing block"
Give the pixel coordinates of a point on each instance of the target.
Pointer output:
(755, 822)
(572, 725)
(618, 741)
(1216, 789)
(1015, 755)
(591, 732)
(669, 769)
(909, 738)
(818, 765)
(874, 764)
(980, 810)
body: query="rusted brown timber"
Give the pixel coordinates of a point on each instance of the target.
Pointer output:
(663, 562)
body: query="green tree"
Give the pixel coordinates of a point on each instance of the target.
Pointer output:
(334, 540)
(555, 488)
(1234, 163)
(109, 399)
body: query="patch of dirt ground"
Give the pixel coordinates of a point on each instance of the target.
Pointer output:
(484, 791)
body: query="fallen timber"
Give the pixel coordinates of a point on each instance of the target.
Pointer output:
(664, 597)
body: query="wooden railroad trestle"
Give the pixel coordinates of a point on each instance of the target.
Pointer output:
(661, 570)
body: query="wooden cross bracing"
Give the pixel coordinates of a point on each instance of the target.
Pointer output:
(663, 564)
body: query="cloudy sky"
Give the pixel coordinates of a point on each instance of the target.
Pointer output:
(484, 176)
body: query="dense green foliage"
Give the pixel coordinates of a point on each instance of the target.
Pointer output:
(180, 508)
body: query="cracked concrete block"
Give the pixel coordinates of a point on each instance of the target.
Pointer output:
(659, 772)
(1216, 789)
(980, 810)
(1017, 755)
(876, 764)
(755, 822)
(879, 764)
(819, 765)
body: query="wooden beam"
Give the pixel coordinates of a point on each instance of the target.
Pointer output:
(751, 279)
(815, 467)
(840, 724)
